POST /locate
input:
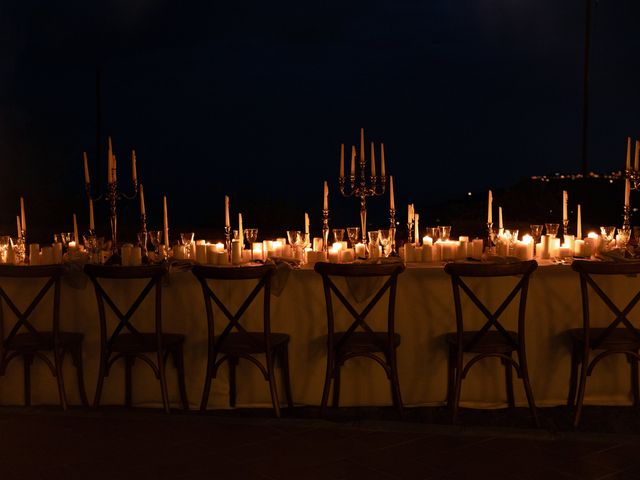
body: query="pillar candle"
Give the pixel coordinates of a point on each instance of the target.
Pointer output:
(477, 244)
(427, 252)
(565, 201)
(236, 252)
(427, 240)
(34, 253)
(361, 250)
(201, 254)
(57, 252)
(143, 210)
(212, 254)
(579, 229)
(240, 232)
(569, 241)
(306, 226)
(317, 244)
(392, 199)
(136, 257)
(628, 164)
(373, 160)
(75, 229)
(383, 170)
(134, 171)
(87, 179)
(165, 222)
(353, 161)
(227, 222)
(636, 158)
(500, 224)
(325, 205)
(23, 218)
(256, 250)
(490, 208)
(92, 225)
(334, 255)
(578, 248)
(342, 160)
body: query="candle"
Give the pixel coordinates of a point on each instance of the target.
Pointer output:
(240, 232)
(256, 250)
(92, 225)
(627, 191)
(477, 245)
(353, 161)
(392, 198)
(490, 209)
(373, 160)
(110, 165)
(334, 255)
(19, 227)
(628, 164)
(362, 151)
(75, 229)
(383, 170)
(500, 224)
(361, 250)
(236, 252)
(565, 201)
(342, 160)
(115, 168)
(416, 230)
(636, 158)
(325, 205)
(427, 240)
(227, 223)
(143, 210)
(579, 230)
(166, 221)
(134, 172)
(23, 218)
(579, 248)
(87, 179)
(306, 225)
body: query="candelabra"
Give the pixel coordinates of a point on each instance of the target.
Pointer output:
(361, 190)
(227, 240)
(325, 230)
(490, 234)
(392, 232)
(145, 235)
(565, 226)
(633, 177)
(409, 230)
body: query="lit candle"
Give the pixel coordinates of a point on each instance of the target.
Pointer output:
(565, 202)
(109, 161)
(325, 205)
(627, 191)
(23, 218)
(19, 227)
(143, 210)
(373, 160)
(165, 222)
(362, 157)
(75, 229)
(306, 225)
(87, 179)
(579, 229)
(342, 160)
(134, 172)
(115, 168)
(353, 161)
(227, 223)
(240, 232)
(628, 167)
(490, 209)
(392, 198)
(500, 224)
(92, 226)
(636, 158)
(383, 170)
(416, 229)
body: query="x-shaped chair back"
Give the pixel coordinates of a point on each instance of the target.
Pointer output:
(390, 270)
(153, 273)
(50, 272)
(262, 274)
(587, 270)
(460, 270)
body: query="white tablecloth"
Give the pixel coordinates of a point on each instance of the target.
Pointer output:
(424, 313)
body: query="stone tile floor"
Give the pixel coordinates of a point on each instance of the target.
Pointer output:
(367, 443)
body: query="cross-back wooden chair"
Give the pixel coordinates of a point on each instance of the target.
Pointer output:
(619, 337)
(234, 341)
(492, 339)
(25, 340)
(125, 341)
(360, 340)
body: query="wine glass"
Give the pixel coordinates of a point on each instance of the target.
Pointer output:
(5, 244)
(338, 234)
(384, 236)
(552, 229)
(433, 232)
(186, 239)
(374, 242)
(608, 234)
(623, 237)
(445, 231)
(353, 233)
(293, 237)
(155, 237)
(251, 234)
(536, 232)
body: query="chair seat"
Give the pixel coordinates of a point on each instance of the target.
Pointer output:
(491, 342)
(237, 342)
(145, 342)
(364, 342)
(618, 339)
(43, 341)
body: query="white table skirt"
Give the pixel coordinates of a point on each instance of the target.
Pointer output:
(424, 313)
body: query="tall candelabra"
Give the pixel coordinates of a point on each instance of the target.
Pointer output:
(633, 177)
(392, 232)
(362, 190)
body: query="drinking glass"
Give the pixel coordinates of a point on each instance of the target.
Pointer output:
(251, 234)
(353, 233)
(374, 240)
(19, 249)
(536, 232)
(623, 237)
(445, 231)
(5, 245)
(66, 238)
(552, 229)
(338, 234)
(608, 235)
(186, 239)
(433, 232)
(385, 239)
(293, 236)
(155, 237)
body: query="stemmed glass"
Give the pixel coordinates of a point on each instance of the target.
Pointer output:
(552, 229)
(608, 234)
(338, 234)
(186, 239)
(536, 233)
(374, 241)
(445, 231)
(251, 234)
(5, 244)
(385, 239)
(293, 237)
(353, 233)
(623, 237)
(433, 232)
(155, 237)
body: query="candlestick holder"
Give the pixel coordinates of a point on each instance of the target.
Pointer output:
(490, 234)
(409, 232)
(392, 232)
(626, 222)
(145, 234)
(565, 227)
(325, 230)
(227, 240)
(362, 190)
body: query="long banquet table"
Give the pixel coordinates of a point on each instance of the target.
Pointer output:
(424, 313)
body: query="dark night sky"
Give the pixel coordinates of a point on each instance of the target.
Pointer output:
(254, 100)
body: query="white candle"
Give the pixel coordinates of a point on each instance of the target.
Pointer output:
(579, 248)
(23, 217)
(628, 164)
(227, 223)
(565, 202)
(325, 205)
(240, 232)
(334, 255)
(500, 224)
(627, 191)
(110, 165)
(166, 222)
(392, 198)
(342, 160)
(87, 179)
(579, 230)
(306, 225)
(256, 249)
(373, 160)
(143, 210)
(220, 247)
(477, 244)
(636, 158)
(383, 170)
(362, 157)
(353, 161)
(236, 252)
(490, 208)
(361, 250)
(19, 227)
(92, 225)
(427, 240)
(134, 171)
(416, 230)
(75, 229)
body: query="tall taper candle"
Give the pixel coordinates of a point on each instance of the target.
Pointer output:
(373, 160)
(227, 222)
(628, 164)
(565, 202)
(23, 217)
(362, 146)
(342, 160)
(75, 230)
(143, 210)
(134, 172)
(92, 225)
(166, 222)
(383, 170)
(87, 178)
(490, 208)
(110, 165)
(19, 227)
(627, 191)
(325, 204)
(353, 161)
(306, 226)
(500, 224)
(240, 232)
(392, 198)
(114, 173)
(636, 158)
(416, 229)
(579, 230)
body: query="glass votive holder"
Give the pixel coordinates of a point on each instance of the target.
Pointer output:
(444, 232)
(552, 229)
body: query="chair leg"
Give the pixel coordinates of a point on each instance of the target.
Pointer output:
(336, 386)
(395, 383)
(457, 388)
(581, 390)
(633, 364)
(272, 384)
(58, 359)
(207, 382)
(508, 380)
(451, 376)
(28, 360)
(102, 372)
(163, 382)
(573, 379)
(327, 383)
(232, 362)
(128, 366)
(178, 358)
(284, 360)
(524, 370)
(76, 356)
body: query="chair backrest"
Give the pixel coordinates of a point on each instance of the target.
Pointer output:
(50, 273)
(388, 270)
(458, 271)
(587, 270)
(262, 274)
(152, 273)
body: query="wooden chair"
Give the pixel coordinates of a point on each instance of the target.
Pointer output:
(234, 341)
(487, 342)
(619, 337)
(351, 343)
(135, 344)
(32, 343)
